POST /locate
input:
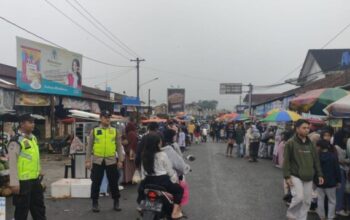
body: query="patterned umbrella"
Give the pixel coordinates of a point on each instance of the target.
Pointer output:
(241, 117)
(274, 110)
(315, 101)
(282, 116)
(339, 109)
(227, 117)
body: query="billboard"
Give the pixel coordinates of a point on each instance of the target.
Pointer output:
(45, 69)
(176, 100)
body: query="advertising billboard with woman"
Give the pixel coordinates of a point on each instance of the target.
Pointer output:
(45, 69)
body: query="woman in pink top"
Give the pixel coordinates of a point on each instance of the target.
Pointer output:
(280, 151)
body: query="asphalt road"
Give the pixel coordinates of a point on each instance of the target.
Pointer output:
(221, 188)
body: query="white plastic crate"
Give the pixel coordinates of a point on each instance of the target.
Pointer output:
(81, 188)
(61, 188)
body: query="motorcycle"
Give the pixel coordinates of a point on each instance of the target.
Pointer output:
(158, 204)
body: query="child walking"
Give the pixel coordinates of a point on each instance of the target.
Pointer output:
(332, 178)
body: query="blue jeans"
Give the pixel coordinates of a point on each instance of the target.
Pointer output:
(240, 150)
(104, 184)
(343, 199)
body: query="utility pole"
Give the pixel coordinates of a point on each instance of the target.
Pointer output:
(149, 102)
(250, 98)
(138, 60)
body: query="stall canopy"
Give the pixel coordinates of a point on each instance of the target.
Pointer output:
(93, 117)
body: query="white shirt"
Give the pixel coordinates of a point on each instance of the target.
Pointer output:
(162, 166)
(204, 132)
(182, 139)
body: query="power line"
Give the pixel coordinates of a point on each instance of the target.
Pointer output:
(57, 45)
(106, 29)
(85, 30)
(175, 74)
(99, 76)
(300, 78)
(99, 28)
(113, 78)
(324, 46)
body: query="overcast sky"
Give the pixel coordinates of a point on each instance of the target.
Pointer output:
(192, 44)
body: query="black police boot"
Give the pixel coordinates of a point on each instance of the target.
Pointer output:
(116, 205)
(95, 207)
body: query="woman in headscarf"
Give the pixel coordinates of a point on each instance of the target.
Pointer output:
(130, 149)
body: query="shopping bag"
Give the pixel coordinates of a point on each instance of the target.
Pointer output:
(186, 195)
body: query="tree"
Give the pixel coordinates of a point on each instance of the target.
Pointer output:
(208, 104)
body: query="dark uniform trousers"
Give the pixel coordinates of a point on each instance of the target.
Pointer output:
(97, 173)
(30, 198)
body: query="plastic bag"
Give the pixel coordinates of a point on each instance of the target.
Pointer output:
(186, 195)
(347, 186)
(136, 178)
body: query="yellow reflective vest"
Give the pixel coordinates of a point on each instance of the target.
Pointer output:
(28, 163)
(105, 142)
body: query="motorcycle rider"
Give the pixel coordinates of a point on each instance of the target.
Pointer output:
(175, 157)
(157, 169)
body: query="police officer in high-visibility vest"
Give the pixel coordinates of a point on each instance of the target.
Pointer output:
(25, 172)
(101, 155)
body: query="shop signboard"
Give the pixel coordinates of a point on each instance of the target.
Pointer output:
(2, 208)
(6, 99)
(176, 100)
(45, 69)
(26, 99)
(336, 123)
(70, 103)
(130, 101)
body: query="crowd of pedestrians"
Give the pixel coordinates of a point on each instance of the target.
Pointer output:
(315, 162)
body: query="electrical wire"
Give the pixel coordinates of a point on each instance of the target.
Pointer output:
(175, 74)
(106, 29)
(57, 45)
(324, 46)
(85, 30)
(99, 28)
(110, 73)
(117, 77)
(336, 67)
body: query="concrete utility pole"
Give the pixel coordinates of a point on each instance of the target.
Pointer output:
(250, 97)
(149, 102)
(138, 60)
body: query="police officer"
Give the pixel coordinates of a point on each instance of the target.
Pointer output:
(25, 172)
(103, 147)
